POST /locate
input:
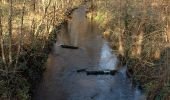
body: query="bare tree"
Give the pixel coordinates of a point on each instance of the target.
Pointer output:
(121, 31)
(33, 24)
(10, 30)
(167, 21)
(21, 35)
(46, 5)
(1, 39)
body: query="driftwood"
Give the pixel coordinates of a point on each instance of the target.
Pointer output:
(110, 72)
(68, 46)
(81, 70)
(99, 72)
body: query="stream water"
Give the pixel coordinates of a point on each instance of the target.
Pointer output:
(61, 80)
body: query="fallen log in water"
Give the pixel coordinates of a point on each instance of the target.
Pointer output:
(68, 46)
(99, 72)
(110, 72)
(81, 70)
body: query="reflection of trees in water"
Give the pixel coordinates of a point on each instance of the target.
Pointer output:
(78, 26)
(64, 36)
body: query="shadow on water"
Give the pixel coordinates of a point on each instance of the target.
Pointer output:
(61, 80)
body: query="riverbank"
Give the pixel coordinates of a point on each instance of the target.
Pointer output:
(139, 39)
(32, 38)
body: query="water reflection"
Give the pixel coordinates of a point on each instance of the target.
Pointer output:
(107, 59)
(62, 82)
(78, 25)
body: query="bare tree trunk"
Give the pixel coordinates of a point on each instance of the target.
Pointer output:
(4, 1)
(34, 5)
(43, 17)
(10, 31)
(1, 39)
(31, 35)
(54, 17)
(21, 35)
(91, 14)
(121, 43)
(167, 51)
(168, 23)
(120, 31)
(139, 33)
(168, 34)
(139, 43)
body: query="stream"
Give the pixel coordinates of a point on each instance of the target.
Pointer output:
(61, 80)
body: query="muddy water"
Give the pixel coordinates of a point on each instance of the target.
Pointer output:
(62, 82)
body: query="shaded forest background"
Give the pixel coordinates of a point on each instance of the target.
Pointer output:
(137, 30)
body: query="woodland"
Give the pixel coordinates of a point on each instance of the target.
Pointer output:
(137, 30)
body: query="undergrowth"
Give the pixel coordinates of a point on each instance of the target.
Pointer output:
(136, 31)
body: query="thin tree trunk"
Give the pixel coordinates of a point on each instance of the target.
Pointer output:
(21, 35)
(139, 43)
(33, 23)
(45, 13)
(167, 51)
(167, 24)
(10, 31)
(34, 5)
(121, 43)
(54, 17)
(140, 33)
(120, 38)
(1, 39)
